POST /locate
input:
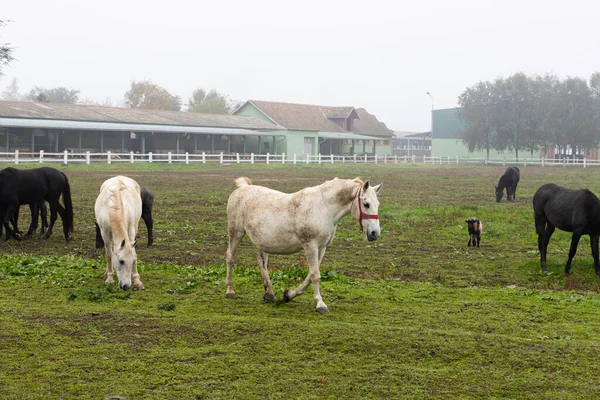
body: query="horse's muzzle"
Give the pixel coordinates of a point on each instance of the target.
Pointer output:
(373, 235)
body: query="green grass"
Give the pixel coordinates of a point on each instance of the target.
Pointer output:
(414, 315)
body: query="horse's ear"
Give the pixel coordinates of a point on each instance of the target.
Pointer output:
(123, 243)
(378, 187)
(134, 244)
(365, 186)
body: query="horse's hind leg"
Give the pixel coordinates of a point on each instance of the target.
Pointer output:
(53, 216)
(573, 250)
(595, 253)
(235, 237)
(35, 211)
(263, 258)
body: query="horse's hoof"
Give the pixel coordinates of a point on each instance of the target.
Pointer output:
(230, 296)
(269, 297)
(286, 296)
(322, 310)
(138, 286)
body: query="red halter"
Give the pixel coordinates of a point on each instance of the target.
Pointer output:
(362, 215)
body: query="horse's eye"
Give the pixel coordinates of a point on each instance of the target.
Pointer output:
(366, 205)
(121, 262)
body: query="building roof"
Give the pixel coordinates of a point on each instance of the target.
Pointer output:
(319, 118)
(368, 124)
(411, 134)
(305, 117)
(92, 113)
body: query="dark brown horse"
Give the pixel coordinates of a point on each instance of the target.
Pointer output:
(509, 181)
(576, 211)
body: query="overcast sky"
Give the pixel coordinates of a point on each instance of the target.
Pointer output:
(380, 55)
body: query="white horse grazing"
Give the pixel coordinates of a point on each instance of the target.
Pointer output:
(281, 223)
(118, 211)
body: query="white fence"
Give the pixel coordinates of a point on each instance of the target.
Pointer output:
(67, 157)
(540, 162)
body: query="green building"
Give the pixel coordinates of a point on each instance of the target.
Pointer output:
(310, 129)
(446, 124)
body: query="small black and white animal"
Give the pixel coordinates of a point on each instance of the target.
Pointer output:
(475, 229)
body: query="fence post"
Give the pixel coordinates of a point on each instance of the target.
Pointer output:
(87, 157)
(343, 159)
(41, 156)
(294, 158)
(366, 157)
(331, 158)
(237, 157)
(355, 158)
(221, 157)
(456, 159)
(16, 156)
(66, 157)
(251, 158)
(584, 162)
(283, 158)
(108, 161)
(203, 157)
(187, 157)
(307, 158)
(375, 158)
(504, 162)
(268, 158)
(319, 158)
(131, 157)
(542, 162)
(395, 158)
(169, 157)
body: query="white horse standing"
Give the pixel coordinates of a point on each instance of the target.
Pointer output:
(281, 223)
(118, 211)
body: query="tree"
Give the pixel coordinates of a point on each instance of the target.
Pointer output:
(475, 110)
(11, 92)
(146, 94)
(6, 52)
(58, 94)
(209, 103)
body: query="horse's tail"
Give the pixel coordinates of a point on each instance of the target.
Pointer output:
(68, 205)
(243, 181)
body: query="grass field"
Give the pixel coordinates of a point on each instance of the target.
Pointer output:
(415, 315)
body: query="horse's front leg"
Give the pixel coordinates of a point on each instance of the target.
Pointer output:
(108, 275)
(263, 258)
(314, 256)
(137, 282)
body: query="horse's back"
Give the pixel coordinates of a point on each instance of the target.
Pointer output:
(119, 194)
(565, 208)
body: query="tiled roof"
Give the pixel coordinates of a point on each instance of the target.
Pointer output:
(304, 117)
(368, 124)
(77, 112)
(316, 118)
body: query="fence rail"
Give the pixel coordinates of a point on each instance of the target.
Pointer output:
(108, 157)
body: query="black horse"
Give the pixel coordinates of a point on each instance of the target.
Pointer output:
(147, 202)
(34, 186)
(509, 180)
(576, 211)
(38, 210)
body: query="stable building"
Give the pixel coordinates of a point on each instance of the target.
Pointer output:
(312, 129)
(52, 127)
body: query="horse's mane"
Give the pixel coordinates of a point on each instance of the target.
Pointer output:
(115, 210)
